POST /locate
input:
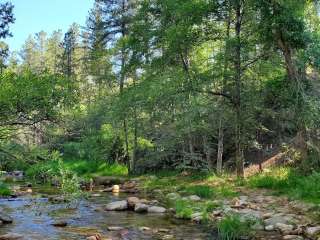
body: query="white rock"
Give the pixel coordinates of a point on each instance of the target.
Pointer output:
(173, 196)
(11, 236)
(156, 209)
(194, 198)
(313, 231)
(117, 206)
(284, 227)
(141, 207)
(292, 237)
(197, 217)
(115, 228)
(269, 228)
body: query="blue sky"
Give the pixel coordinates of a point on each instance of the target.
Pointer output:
(32, 16)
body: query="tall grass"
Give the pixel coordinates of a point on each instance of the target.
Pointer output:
(231, 228)
(288, 181)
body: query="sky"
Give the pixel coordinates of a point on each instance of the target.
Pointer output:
(33, 16)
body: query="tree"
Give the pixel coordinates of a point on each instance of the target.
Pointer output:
(6, 18)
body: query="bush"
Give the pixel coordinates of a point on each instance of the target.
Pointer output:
(289, 181)
(183, 209)
(4, 190)
(231, 228)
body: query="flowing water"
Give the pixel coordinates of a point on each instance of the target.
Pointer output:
(33, 216)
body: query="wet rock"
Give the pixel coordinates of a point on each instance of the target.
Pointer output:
(57, 199)
(167, 237)
(129, 185)
(117, 206)
(115, 228)
(156, 209)
(141, 208)
(132, 201)
(292, 237)
(5, 219)
(96, 195)
(115, 188)
(312, 231)
(107, 181)
(11, 236)
(60, 223)
(95, 237)
(153, 202)
(143, 229)
(163, 230)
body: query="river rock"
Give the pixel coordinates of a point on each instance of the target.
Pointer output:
(107, 181)
(285, 228)
(269, 228)
(6, 219)
(292, 237)
(129, 185)
(278, 218)
(11, 236)
(141, 207)
(132, 201)
(60, 223)
(197, 217)
(156, 209)
(117, 206)
(143, 229)
(312, 231)
(194, 198)
(57, 199)
(115, 188)
(249, 215)
(115, 228)
(95, 237)
(173, 196)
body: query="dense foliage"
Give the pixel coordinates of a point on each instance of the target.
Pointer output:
(157, 84)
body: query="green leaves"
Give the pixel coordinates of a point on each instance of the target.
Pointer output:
(28, 98)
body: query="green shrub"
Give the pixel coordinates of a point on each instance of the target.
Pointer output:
(289, 181)
(231, 228)
(183, 209)
(70, 183)
(4, 190)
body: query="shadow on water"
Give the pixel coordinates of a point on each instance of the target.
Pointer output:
(33, 216)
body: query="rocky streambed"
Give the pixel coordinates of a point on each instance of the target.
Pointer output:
(42, 216)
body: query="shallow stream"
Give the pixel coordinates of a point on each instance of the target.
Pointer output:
(34, 214)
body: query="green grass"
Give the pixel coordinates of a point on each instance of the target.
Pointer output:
(4, 190)
(231, 228)
(203, 191)
(289, 182)
(91, 168)
(184, 209)
(46, 171)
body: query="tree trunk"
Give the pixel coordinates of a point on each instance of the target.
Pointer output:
(238, 125)
(220, 148)
(221, 125)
